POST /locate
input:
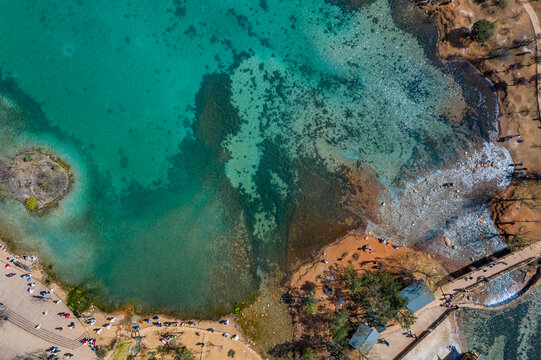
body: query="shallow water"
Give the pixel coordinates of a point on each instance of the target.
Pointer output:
(210, 140)
(508, 334)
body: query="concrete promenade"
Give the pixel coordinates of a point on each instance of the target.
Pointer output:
(18, 335)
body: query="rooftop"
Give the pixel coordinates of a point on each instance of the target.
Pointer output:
(364, 338)
(418, 295)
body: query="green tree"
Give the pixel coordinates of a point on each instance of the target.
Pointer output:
(183, 353)
(310, 302)
(31, 203)
(309, 354)
(482, 30)
(340, 327)
(406, 319)
(377, 294)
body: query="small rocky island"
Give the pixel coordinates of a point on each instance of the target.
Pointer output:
(36, 178)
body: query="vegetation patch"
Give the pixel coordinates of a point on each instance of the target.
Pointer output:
(31, 204)
(79, 300)
(183, 353)
(122, 350)
(377, 294)
(63, 164)
(482, 30)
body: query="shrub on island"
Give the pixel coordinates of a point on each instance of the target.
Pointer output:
(31, 203)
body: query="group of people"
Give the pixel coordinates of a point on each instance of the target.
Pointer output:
(54, 351)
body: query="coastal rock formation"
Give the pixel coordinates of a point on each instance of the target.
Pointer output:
(35, 178)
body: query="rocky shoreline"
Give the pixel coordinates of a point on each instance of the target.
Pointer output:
(35, 178)
(509, 61)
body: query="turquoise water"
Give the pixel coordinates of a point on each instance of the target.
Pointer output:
(211, 140)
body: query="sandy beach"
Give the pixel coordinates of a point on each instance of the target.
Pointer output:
(113, 332)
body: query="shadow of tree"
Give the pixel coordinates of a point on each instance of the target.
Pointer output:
(37, 355)
(459, 38)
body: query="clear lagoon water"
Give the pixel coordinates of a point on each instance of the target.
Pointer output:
(212, 141)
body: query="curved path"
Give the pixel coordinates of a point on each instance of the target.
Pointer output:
(537, 31)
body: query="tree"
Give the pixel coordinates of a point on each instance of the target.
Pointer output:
(406, 319)
(377, 294)
(340, 326)
(310, 302)
(500, 3)
(183, 353)
(31, 203)
(309, 354)
(482, 30)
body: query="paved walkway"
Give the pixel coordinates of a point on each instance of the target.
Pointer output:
(537, 32)
(46, 335)
(430, 313)
(18, 335)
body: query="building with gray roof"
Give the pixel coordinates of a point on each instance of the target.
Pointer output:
(418, 295)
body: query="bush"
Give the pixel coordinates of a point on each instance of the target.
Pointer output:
(309, 354)
(78, 300)
(31, 203)
(231, 353)
(310, 302)
(101, 353)
(63, 164)
(482, 30)
(500, 3)
(183, 353)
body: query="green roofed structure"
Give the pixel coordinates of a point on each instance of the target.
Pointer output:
(418, 295)
(364, 338)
